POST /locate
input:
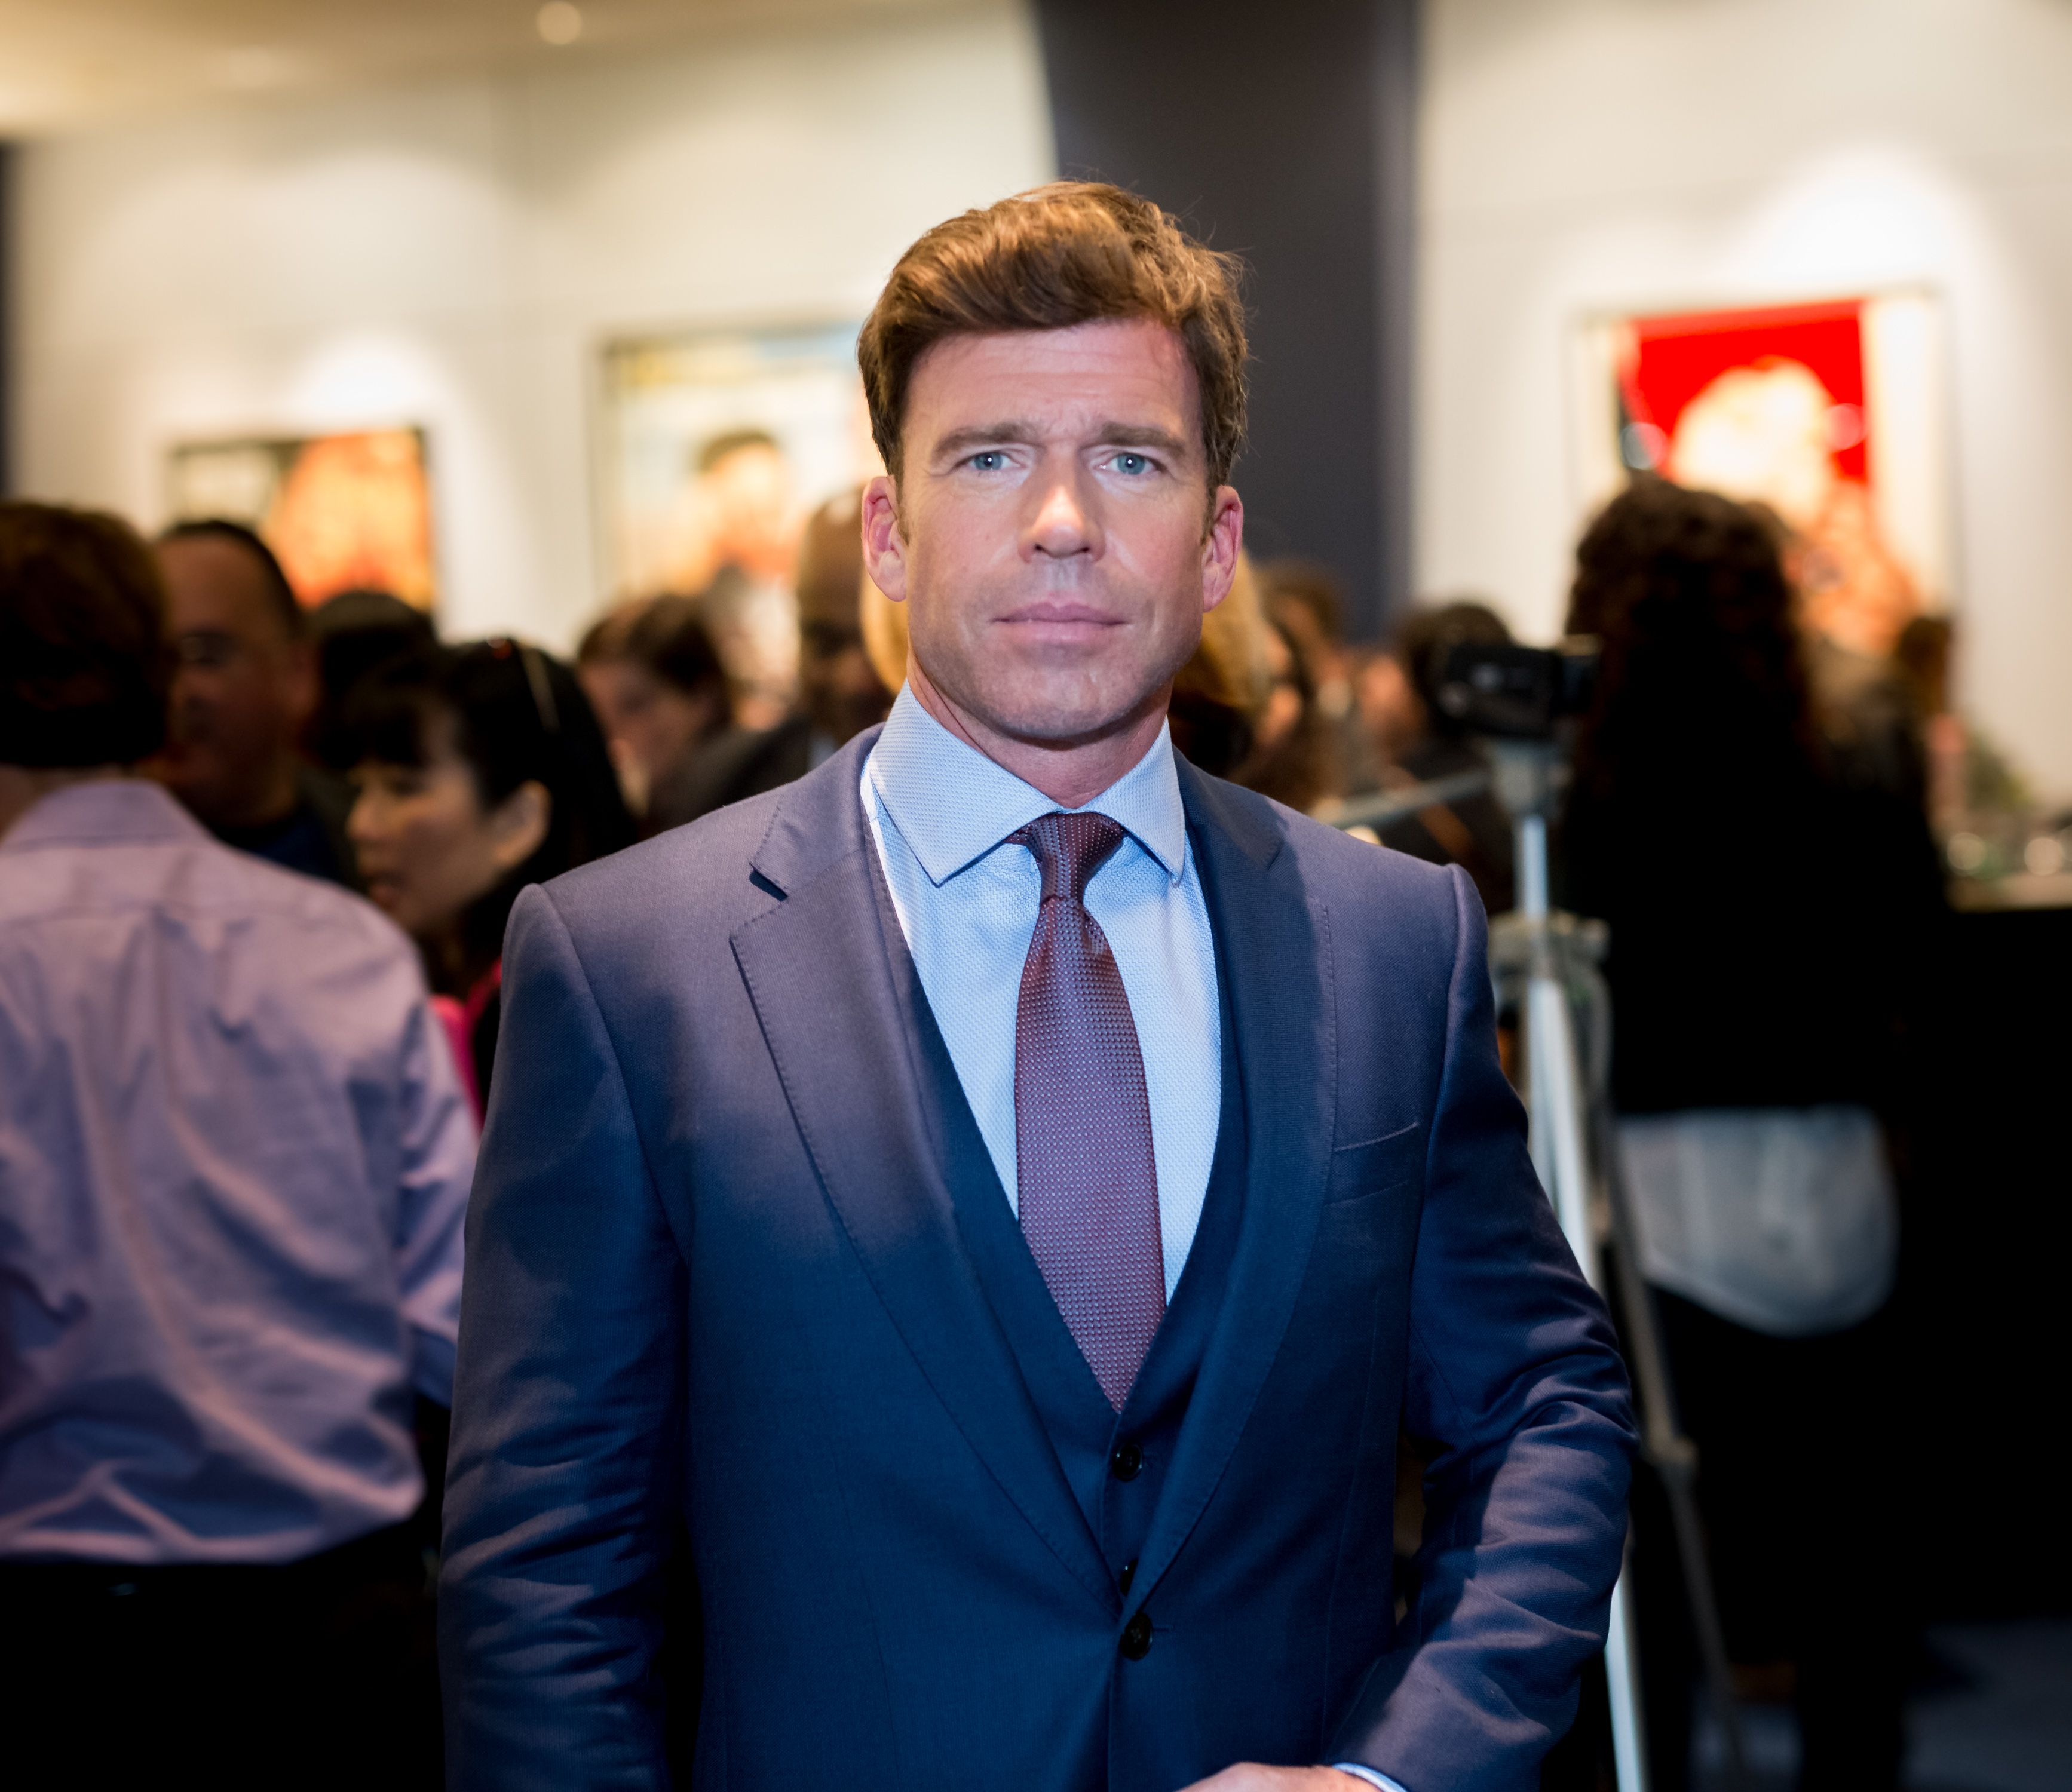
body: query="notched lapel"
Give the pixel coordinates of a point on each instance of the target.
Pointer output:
(818, 972)
(1276, 951)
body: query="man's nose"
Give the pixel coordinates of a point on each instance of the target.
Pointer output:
(189, 702)
(1064, 524)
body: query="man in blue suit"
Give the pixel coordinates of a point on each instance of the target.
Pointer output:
(994, 1205)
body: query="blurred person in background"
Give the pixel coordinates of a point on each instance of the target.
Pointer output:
(1971, 782)
(1852, 602)
(353, 633)
(742, 525)
(660, 691)
(1415, 742)
(1244, 705)
(1228, 683)
(1760, 910)
(245, 687)
(1291, 758)
(234, 1157)
(1306, 601)
(840, 693)
(478, 770)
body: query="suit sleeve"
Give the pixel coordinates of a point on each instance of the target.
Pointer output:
(565, 1437)
(1516, 1379)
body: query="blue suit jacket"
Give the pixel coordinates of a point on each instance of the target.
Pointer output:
(715, 1280)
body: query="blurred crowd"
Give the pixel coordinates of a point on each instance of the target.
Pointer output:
(237, 1112)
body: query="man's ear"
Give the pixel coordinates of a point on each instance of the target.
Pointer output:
(519, 823)
(884, 547)
(1221, 544)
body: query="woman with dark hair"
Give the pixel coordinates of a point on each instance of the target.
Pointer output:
(478, 770)
(1760, 910)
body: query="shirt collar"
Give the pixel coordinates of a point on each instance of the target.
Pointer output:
(103, 811)
(952, 805)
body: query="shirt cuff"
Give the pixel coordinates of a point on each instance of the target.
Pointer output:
(1367, 1774)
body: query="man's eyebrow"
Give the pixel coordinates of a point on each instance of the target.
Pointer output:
(1111, 434)
(1142, 435)
(981, 435)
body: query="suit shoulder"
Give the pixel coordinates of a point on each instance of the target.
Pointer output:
(695, 875)
(1339, 867)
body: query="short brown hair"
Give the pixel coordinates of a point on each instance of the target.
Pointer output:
(1075, 251)
(83, 666)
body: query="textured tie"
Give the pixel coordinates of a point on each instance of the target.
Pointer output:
(1088, 1185)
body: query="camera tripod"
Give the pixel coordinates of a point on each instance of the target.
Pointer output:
(1544, 964)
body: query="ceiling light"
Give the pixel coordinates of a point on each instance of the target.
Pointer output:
(559, 22)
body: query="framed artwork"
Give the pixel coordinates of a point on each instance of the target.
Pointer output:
(716, 445)
(342, 511)
(1833, 413)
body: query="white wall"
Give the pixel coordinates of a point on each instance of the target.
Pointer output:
(454, 255)
(1588, 154)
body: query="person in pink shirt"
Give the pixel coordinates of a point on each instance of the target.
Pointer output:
(235, 1154)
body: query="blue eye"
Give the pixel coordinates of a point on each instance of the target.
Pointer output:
(988, 460)
(1133, 464)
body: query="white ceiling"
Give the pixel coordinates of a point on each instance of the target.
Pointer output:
(68, 63)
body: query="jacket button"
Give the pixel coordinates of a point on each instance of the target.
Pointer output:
(1123, 1580)
(1136, 1638)
(1127, 1462)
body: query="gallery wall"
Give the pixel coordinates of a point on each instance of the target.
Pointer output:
(455, 255)
(1580, 156)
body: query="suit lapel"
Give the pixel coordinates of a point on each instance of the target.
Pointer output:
(820, 974)
(1275, 951)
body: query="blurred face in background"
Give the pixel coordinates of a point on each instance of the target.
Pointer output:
(1052, 532)
(428, 844)
(748, 497)
(243, 688)
(1389, 706)
(650, 725)
(837, 685)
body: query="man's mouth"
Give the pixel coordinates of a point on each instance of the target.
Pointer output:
(1061, 618)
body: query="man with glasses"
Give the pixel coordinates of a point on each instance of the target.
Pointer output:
(244, 685)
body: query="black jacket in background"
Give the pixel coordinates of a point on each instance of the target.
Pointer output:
(1767, 935)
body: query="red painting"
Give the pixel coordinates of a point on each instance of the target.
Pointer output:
(1677, 361)
(1778, 404)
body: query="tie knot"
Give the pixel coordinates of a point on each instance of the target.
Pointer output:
(1069, 850)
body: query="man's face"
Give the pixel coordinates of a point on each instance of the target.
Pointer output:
(242, 688)
(1052, 532)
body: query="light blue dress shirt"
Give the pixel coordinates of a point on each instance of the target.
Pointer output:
(940, 812)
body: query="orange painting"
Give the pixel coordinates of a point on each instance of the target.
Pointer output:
(346, 512)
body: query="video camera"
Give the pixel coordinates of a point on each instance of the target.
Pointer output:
(1518, 693)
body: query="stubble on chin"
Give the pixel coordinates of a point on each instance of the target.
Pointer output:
(1055, 706)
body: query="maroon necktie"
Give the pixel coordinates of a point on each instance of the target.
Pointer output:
(1088, 1185)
